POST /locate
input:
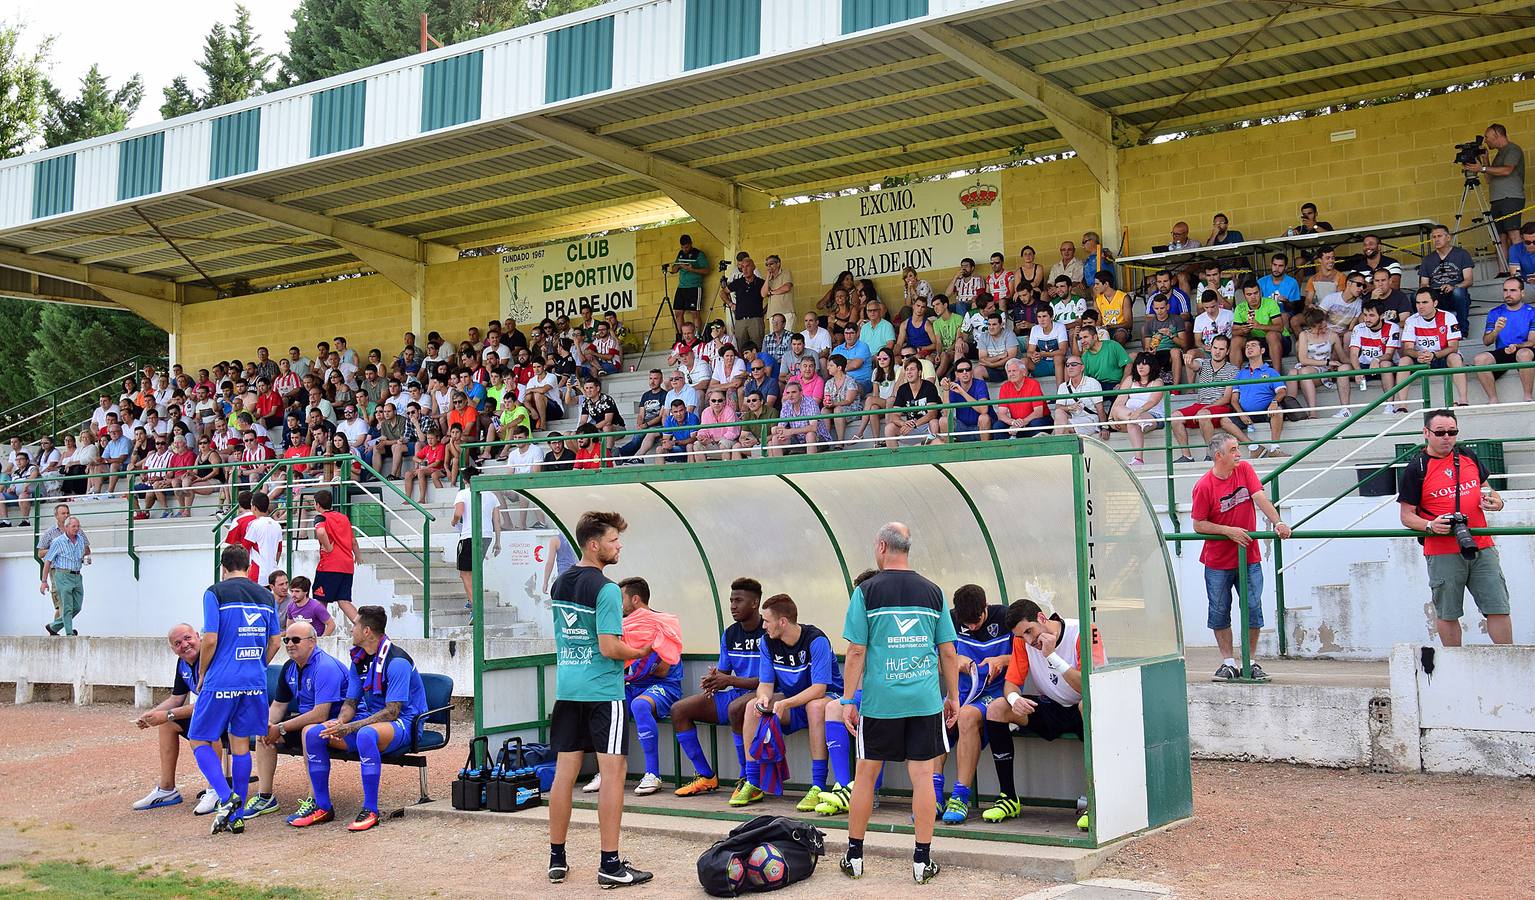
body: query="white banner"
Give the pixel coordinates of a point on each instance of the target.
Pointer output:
(932, 225)
(557, 279)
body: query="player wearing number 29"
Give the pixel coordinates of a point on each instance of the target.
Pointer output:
(900, 641)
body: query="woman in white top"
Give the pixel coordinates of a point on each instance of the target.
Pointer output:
(912, 287)
(1141, 411)
(727, 374)
(881, 390)
(1320, 349)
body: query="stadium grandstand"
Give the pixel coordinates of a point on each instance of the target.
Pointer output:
(730, 248)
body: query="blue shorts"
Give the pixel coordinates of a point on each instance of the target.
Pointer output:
(1221, 586)
(662, 695)
(332, 587)
(402, 727)
(239, 713)
(722, 701)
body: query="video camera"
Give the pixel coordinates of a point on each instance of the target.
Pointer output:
(1469, 153)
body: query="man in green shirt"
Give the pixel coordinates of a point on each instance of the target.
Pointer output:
(1261, 317)
(589, 710)
(690, 267)
(1101, 359)
(899, 633)
(946, 326)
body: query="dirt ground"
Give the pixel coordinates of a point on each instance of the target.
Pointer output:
(68, 776)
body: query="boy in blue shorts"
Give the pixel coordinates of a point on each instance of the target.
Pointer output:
(384, 688)
(240, 635)
(985, 647)
(797, 668)
(728, 687)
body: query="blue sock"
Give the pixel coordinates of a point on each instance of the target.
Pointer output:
(752, 773)
(240, 774)
(880, 781)
(740, 752)
(208, 763)
(368, 762)
(836, 750)
(645, 727)
(961, 792)
(938, 787)
(690, 746)
(317, 752)
(818, 773)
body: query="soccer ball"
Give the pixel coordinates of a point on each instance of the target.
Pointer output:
(735, 871)
(766, 866)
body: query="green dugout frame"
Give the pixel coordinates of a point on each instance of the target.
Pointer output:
(1056, 518)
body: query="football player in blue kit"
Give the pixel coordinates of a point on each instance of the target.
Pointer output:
(985, 647)
(240, 634)
(384, 695)
(728, 687)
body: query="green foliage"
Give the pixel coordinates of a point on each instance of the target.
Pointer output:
(78, 879)
(330, 37)
(97, 111)
(16, 341)
(22, 90)
(71, 341)
(233, 65)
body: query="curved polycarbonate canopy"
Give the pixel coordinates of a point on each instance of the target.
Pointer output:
(1058, 520)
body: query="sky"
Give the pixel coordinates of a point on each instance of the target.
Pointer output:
(158, 40)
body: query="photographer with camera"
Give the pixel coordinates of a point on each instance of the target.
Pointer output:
(1444, 493)
(1505, 176)
(690, 267)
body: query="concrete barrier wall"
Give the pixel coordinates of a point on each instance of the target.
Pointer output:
(1474, 713)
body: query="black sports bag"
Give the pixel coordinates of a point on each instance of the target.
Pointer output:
(765, 854)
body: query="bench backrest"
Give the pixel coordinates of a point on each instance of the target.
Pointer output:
(439, 695)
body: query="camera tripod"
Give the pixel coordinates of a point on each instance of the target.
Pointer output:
(1473, 189)
(664, 306)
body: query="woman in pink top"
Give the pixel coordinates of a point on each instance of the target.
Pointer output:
(717, 442)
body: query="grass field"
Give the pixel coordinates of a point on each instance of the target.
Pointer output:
(81, 879)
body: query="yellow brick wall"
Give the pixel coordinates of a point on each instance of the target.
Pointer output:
(1395, 168)
(369, 312)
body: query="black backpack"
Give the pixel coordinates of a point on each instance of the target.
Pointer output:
(789, 851)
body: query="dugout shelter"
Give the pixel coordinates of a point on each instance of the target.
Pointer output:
(1057, 519)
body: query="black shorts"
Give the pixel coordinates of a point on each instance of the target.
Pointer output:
(466, 553)
(1509, 208)
(589, 726)
(1050, 720)
(1504, 355)
(686, 298)
(332, 587)
(914, 738)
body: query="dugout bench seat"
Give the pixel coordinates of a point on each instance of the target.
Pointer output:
(439, 702)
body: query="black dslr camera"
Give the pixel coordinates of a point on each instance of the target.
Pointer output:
(1469, 153)
(1463, 536)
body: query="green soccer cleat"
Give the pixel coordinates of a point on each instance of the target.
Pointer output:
(808, 802)
(747, 793)
(835, 801)
(1004, 808)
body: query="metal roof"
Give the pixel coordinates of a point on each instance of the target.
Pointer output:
(813, 110)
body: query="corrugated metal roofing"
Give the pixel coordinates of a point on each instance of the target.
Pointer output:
(840, 113)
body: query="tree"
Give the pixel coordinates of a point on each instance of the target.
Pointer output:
(233, 65)
(71, 341)
(97, 111)
(330, 37)
(22, 90)
(16, 341)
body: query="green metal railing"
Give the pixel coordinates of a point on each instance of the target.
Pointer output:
(60, 410)
(1300, 535)
(286, 467)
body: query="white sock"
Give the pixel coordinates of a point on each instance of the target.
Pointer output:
(1230, 662)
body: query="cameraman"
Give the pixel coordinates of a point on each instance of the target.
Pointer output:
(690, 267)
(1505, 176)
(1440, 488)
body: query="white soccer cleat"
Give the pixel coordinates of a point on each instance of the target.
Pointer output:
(207, 803)
(648, 785)
(157, 798)
(594, 785)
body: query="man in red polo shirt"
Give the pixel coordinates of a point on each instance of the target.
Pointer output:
(338, 556)
(1437, 483)
(1224, 504)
